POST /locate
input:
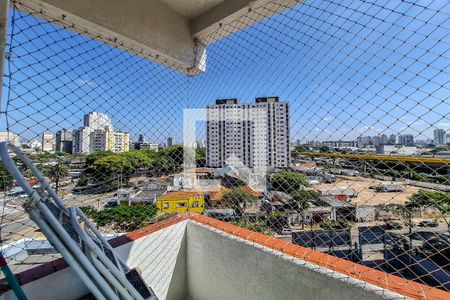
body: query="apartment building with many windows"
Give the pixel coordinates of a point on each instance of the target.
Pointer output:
(64, 138)
(257, 134)
(97, 134)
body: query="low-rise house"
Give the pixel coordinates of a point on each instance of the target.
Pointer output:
(217, 192)
(216, 195)
(339, 209)
(343, 194)
(181, 201)
(276, 201)
(316, 214)
(365, 213)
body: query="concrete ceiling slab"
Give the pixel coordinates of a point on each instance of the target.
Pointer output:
(174, 33)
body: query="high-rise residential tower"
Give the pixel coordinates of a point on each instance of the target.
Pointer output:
(64, 138)
(170, 141)
(406, 139)
(255, 133)
(97, 134)
(439, 136)
(48, 143)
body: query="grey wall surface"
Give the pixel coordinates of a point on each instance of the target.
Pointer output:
(220, 267)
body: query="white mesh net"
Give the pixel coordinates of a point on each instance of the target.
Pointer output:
(331, 129)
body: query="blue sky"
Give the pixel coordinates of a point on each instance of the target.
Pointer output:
(346, 69)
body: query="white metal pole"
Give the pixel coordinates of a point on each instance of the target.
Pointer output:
(35, 216)
(76, 251)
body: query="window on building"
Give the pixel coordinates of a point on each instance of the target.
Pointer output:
(195, 204)
(181, 204)
(166, 205)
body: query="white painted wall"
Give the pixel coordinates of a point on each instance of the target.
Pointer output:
(156, 255)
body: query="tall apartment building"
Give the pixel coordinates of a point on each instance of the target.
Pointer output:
(248, 132)
(48, 143)
(392, 139)
(64, 139)
(406, 139)
(97, 134)
(120, 141)
(108, 140)
(96, 120)
(439, 136)
(10, 137)
(170, 141)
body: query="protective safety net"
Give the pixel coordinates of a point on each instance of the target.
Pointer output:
(326, 124)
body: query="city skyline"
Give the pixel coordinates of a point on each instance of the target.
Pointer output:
(164, 140)
(322, 134)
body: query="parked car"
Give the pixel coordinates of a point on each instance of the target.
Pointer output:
(428, 224)
(286, 231)
(408, 224)
(111, 203)
(393, 226)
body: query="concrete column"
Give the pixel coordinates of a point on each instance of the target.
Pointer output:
(3, 30)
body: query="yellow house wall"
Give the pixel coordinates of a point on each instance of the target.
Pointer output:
(189, 204)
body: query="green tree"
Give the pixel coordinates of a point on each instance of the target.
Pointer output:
(331, 225)
(200, 157)
(139, 159)
(325, 149)
(6, 180)
(277, 221)
(56, 172)
(425, 198)
(162, 165)
(62, 153)
(301, 200)
(328, 224)
(113, 165)
(301, 149)
(232, 182)
(92, 158)
(44, 157)
(238, 198)
(175, 153)
(82, 181)
(257, 226)
(288, 182)
(122, 218)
